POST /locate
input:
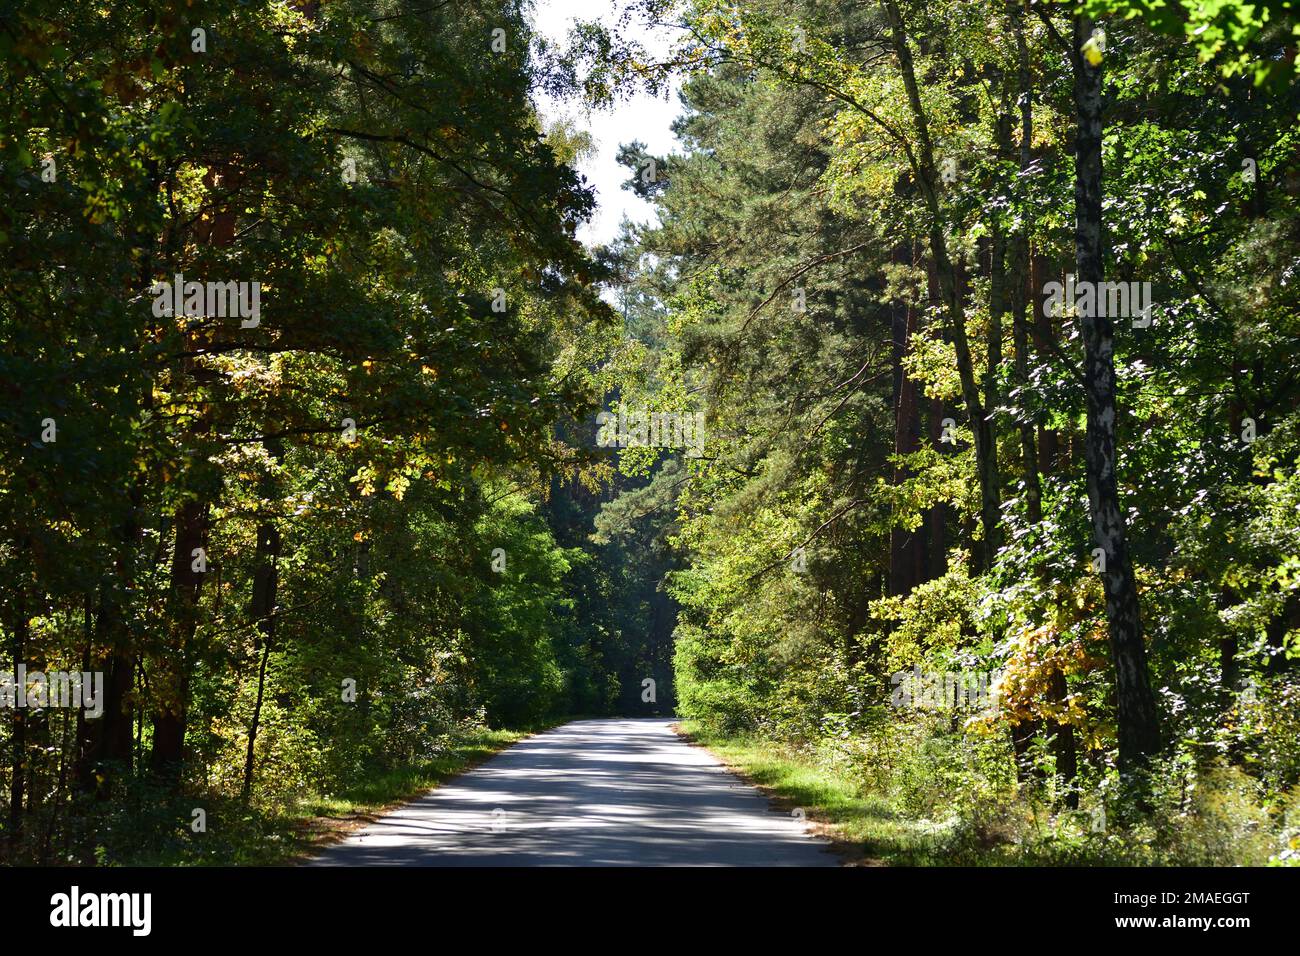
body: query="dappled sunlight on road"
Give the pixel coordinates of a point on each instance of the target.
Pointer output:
(591, 793)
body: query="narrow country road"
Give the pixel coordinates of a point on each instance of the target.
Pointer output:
(590, 793)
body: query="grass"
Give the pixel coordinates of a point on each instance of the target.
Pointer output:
(288, 832)
(865, 829)
(325, 819)
(1225, 826)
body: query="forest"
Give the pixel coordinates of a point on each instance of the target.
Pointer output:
(932, 454)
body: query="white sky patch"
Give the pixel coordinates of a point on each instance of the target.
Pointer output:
(645, 118)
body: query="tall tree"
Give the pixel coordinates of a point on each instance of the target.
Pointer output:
(1138, 722)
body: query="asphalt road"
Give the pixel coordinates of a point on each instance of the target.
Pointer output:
(590, 793)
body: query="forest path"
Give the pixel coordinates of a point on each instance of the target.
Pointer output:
(618, 792)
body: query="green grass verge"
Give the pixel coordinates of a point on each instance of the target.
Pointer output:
(1225, 828)
(326, 818)
(865, 829)
(292, 831)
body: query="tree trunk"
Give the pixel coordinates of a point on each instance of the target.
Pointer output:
(18, 738)
(265, 581)
(1064, 746)
(1288, 619)
(105, 742)
(171, 680)
(986, 464)
(1043, 339)
(1139, 734)
(173, 676)
(906, 555)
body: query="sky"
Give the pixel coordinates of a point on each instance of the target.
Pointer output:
(642, 117)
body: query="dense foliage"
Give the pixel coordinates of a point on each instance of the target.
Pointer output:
(1023, 570)
(911, 434)
(312, 540)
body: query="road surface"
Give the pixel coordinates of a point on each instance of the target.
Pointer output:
(590, 793)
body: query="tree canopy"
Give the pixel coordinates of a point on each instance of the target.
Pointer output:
(941, 429)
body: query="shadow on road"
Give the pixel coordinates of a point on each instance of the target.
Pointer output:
(590, 793)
